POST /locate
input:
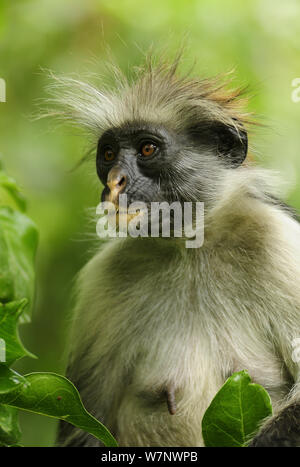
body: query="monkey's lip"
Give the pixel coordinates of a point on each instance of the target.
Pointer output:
(121, 211)
(122, 214)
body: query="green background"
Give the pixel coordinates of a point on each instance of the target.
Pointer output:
(261, 39)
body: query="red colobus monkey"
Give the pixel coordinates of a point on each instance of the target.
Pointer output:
(158, 327)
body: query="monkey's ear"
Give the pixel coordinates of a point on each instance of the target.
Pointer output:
(232, 144)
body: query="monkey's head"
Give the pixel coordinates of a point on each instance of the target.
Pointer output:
(162, 137)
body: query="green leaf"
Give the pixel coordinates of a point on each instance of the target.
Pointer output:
(9, 426)
(55, 396)
(9, 317)
(9, 184)
(235, 412)
(18, 242)
(10, 380)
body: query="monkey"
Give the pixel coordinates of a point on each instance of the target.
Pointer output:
(158, 327)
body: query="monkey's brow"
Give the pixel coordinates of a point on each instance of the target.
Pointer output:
(133, 129)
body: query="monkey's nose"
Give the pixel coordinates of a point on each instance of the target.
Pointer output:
(116, 182)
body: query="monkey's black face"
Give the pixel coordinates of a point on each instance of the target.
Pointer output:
(156, 164)
(133, 159)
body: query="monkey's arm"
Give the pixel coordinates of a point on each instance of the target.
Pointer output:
(283, 429)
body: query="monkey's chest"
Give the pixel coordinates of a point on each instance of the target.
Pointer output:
(184, 326)
(167, 348)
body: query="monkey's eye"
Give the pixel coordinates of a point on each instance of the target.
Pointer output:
(109, 155)
(148, 149)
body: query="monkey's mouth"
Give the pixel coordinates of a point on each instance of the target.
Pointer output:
(121, 216)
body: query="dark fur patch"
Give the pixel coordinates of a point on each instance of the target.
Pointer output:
(282, 431)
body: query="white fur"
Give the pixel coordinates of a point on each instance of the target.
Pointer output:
(152, 314)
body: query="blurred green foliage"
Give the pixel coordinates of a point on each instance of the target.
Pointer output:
(261, 38)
